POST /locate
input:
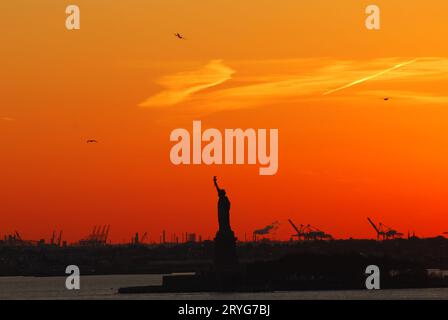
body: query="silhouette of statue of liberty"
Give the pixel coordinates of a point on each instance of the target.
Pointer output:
(225, 241)
(223, 209)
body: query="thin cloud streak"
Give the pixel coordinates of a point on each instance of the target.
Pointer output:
(376, 75)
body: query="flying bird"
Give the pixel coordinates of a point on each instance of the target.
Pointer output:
(386, 98)
(92, 141)
(178, 35)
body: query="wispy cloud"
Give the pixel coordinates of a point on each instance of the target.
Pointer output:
(276, 81)
(181, 86)
(6, 119)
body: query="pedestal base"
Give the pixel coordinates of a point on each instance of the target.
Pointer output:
(225, 249)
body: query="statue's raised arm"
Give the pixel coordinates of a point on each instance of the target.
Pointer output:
(216, 184)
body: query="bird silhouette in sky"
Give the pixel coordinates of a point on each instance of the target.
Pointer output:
(178, 35)
(92, 141)
(386, 98)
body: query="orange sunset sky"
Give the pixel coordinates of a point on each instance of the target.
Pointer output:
(125, 80)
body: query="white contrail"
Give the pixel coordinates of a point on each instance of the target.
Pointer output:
(351, 84)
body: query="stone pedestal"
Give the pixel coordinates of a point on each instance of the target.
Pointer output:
(225, 249)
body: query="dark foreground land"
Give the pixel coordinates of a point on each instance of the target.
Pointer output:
(415, 254)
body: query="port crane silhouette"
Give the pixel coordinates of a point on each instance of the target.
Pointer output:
(98, 236)
(308, 232)
(137, 240)
(56, 240)
(384, 232)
